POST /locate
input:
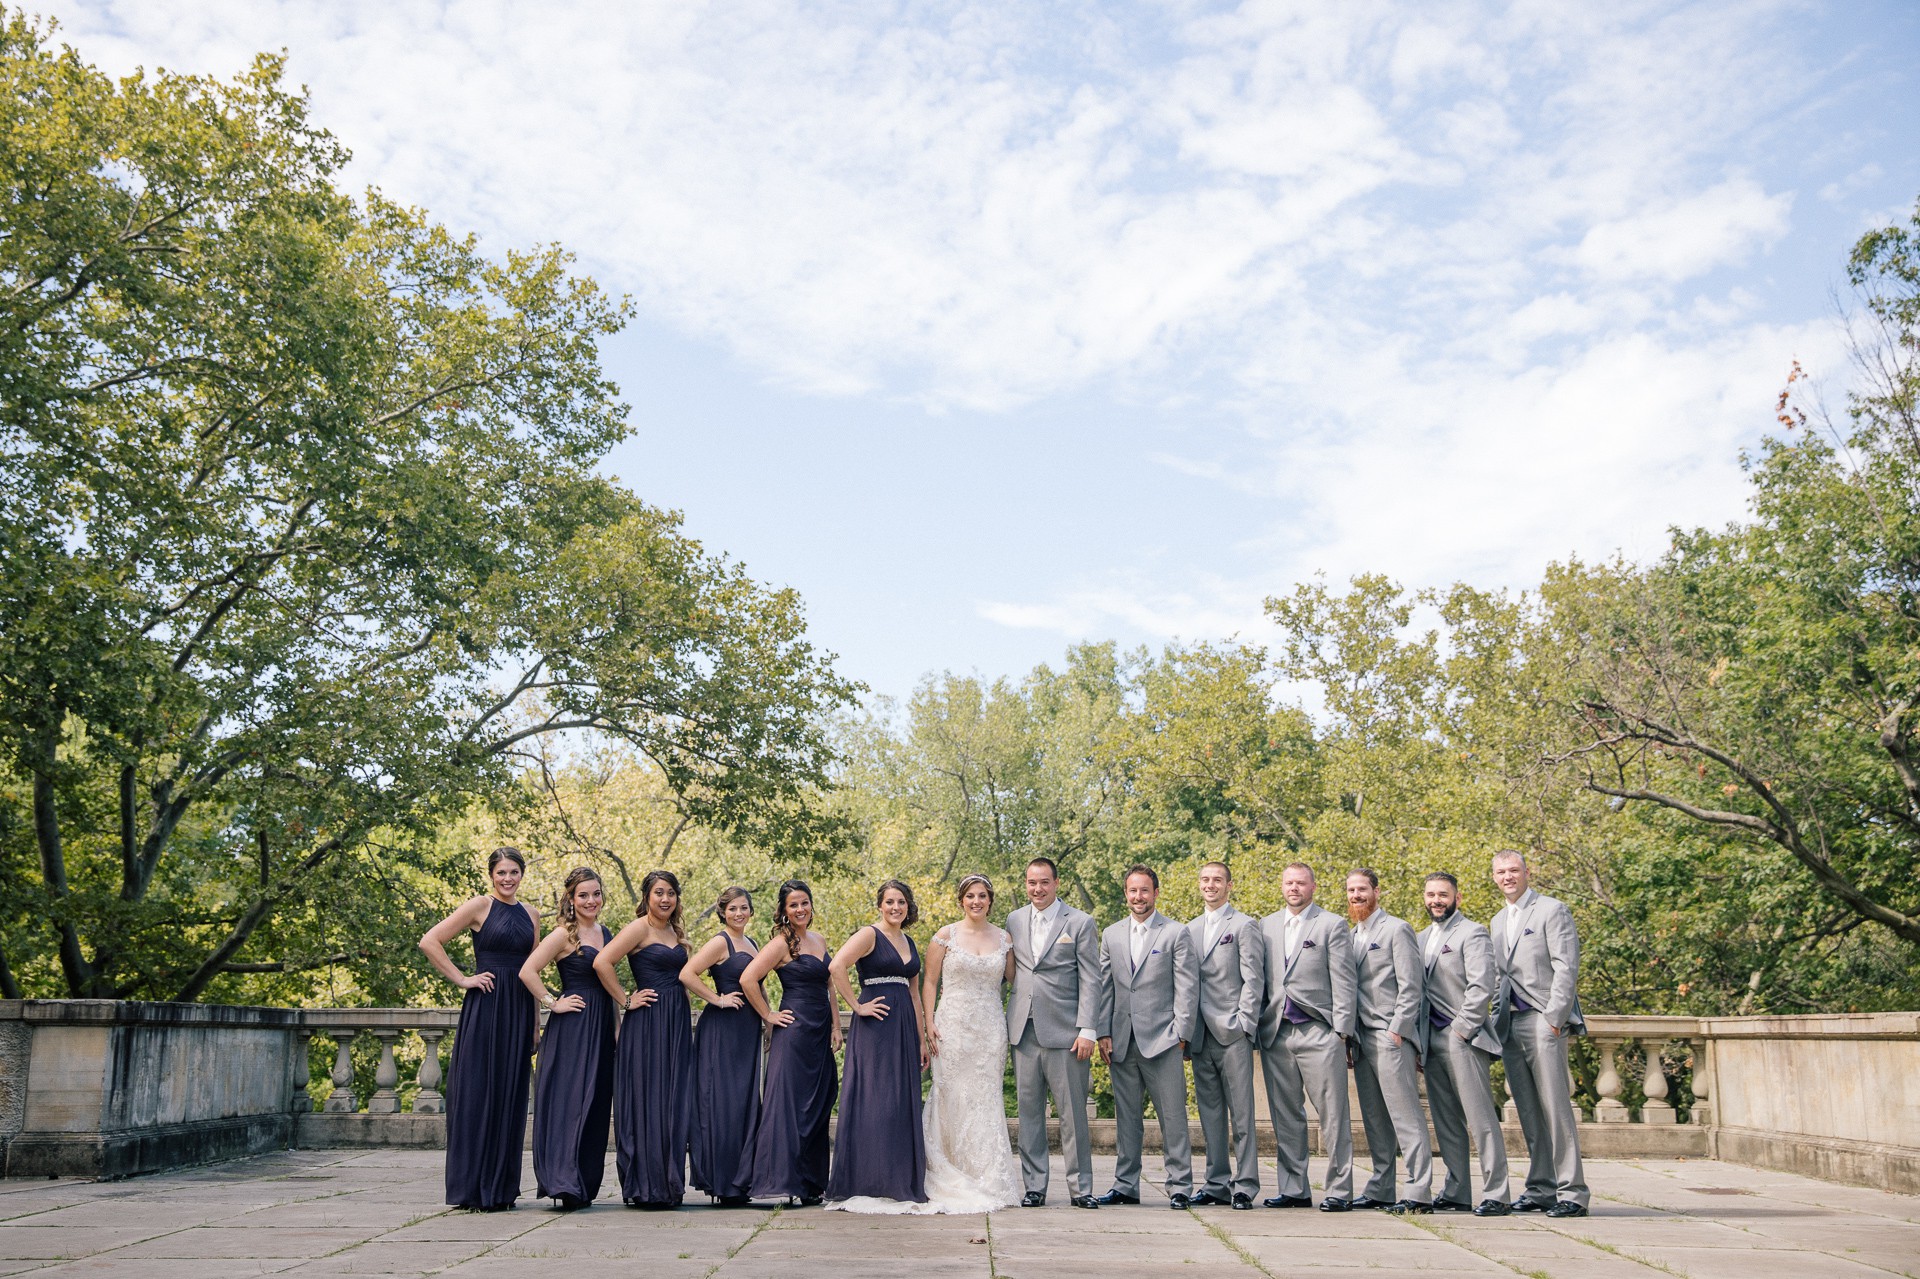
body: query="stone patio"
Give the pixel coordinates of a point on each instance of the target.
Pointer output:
(312, 1213)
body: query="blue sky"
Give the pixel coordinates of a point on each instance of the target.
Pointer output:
(994, 327)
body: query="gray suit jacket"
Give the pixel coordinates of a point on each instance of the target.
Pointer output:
(1460, 980)
(1151, 1007)
(1536, 951)
(1391, 982)
(1059, 991)
(1319, 978)
(1233, 978)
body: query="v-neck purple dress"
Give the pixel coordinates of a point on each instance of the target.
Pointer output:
(880, 1150)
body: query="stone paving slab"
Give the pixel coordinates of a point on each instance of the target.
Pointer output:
(320, 1214)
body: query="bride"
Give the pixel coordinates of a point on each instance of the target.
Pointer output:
(970, 1164)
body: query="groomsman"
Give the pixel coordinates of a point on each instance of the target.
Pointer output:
(1051, 1018)
(1150, 975)
(1458, 955)
(1232, 983)
(1536, 953)
(1387, 1048)
(1304, 1027)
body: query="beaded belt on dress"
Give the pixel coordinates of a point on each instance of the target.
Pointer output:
(875, 981)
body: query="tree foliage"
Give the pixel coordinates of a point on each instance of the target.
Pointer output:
(305, 544)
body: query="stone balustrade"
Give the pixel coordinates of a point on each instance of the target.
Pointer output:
(105, 1088)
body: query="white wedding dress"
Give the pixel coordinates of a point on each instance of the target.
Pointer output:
(970, 1165)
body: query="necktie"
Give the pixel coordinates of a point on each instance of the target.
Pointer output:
(1139, 944)
(1039, 932)
(1433, 942)
(1293, 935)
(1213, 928)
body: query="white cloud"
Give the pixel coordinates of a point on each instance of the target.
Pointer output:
(1438, 262)
(1690, 237)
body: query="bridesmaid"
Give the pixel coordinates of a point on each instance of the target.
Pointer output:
(653, 1093)
(881, 1151)
(785, 1154)
(492, 1048)
(573, 1087)
(726, 1051)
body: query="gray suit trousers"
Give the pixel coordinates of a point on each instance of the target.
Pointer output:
(1537, 1079)
(1037, 1072)
(1385, 1077)
(1223, 1089)
(1460, 1094)
(1135, 1078)
(1309, 1061)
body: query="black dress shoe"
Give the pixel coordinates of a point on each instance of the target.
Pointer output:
(1207, 1199)
(1033, 1199)
(1410, 1205)
(1242, 1203)
(1114, 1197)
(1453, 1205)
(1086, 1201)
(570, 1203)
(1178, 1202)
(1330, 1204)
(1493, 1208)
(1524, 1204)
(733, 1201)
(1567, 1208)
(1363, 1203)
(1287, 1201)
(812, 1201)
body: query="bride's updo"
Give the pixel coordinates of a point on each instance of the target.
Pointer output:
(960, 893)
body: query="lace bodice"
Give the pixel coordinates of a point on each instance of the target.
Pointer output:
(969, 996)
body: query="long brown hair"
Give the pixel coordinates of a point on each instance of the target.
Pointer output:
(899, 886)
(794, 934)
(672, 881)
(577, 876)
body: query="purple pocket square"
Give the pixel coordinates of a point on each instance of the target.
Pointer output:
(1373, 945)
(1526, 932)
(1306, 945)
(1226, 939)
(1445, 949)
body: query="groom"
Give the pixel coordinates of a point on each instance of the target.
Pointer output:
(1050, 1023)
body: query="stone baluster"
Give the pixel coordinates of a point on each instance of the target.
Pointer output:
(298, 1102)
(428, 1100)
(1657, 1109)
(386, 1075)
(1702, 1110)
(340, 1100)
(1609, 1109)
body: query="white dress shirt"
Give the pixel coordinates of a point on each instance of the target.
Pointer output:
(1211, 930)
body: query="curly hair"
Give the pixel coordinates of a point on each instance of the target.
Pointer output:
(913, 910)
(783, 924)
(577, 876)
(672, 881)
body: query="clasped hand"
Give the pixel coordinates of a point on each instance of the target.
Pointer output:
(567, 1004)
(481, 981)
(642, 997)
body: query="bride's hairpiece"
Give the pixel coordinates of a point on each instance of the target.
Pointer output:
(960, 894)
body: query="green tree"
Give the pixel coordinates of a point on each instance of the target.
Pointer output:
(1764, 680)
(305, 547)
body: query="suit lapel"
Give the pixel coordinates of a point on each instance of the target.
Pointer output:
(1226, 926)
(1440, 935)
(1306, 923)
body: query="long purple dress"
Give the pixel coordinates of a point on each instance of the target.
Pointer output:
(653, 1102)
(786, 1149)
(492, 1054)
(726, 1079)
(881, 1151)
(573, 1087)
